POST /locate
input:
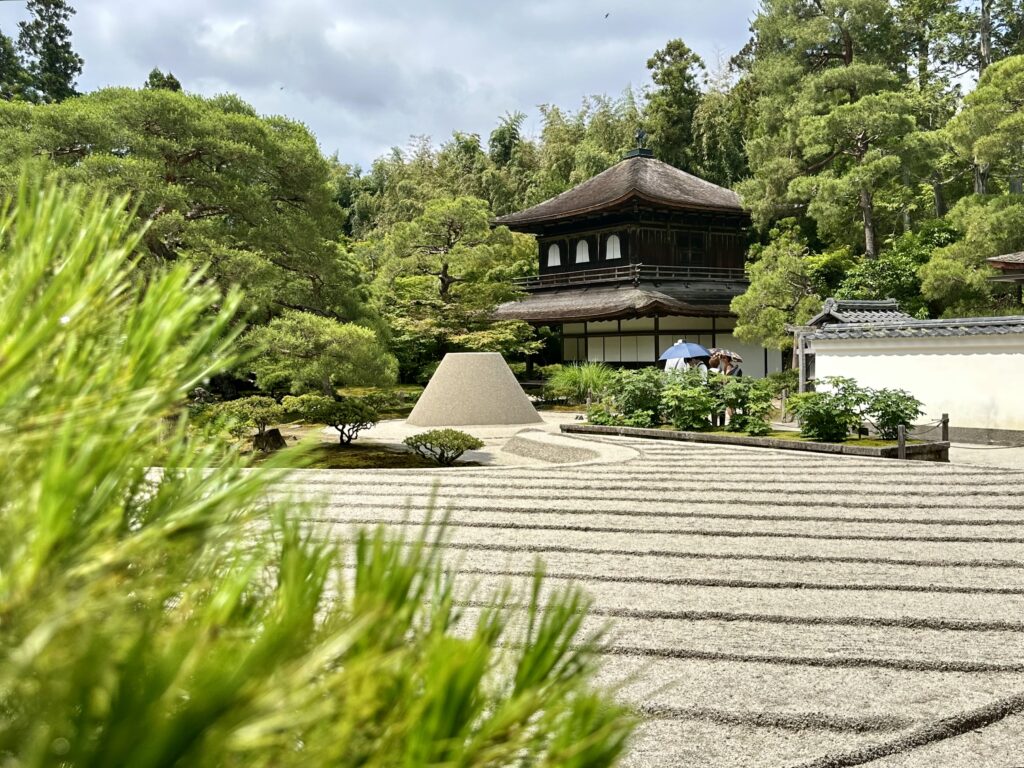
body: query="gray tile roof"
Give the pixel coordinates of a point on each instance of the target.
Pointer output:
(966, 326)
(859, 311)
(639, 176)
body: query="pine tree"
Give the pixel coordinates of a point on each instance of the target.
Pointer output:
(158, 79)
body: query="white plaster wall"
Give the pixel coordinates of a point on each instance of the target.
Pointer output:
(977, 380)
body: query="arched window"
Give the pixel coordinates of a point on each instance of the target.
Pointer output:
(582, 252)
(554, 255)
(613, 248)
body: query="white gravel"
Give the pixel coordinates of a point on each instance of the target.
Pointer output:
(768, 608)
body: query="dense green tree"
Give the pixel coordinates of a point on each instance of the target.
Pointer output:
(13, 77)
(677, 73)
(989, 132)
(249, 199)
(158, 79)
(441, 276)
(45, 43)
(788, 283)
(718, 154)
(830, 116)
(301, 353)
(896, 273)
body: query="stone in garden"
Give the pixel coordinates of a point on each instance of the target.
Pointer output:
(473, 388)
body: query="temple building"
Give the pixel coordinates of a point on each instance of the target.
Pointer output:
(634, 259)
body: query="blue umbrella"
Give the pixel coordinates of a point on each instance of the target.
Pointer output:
(684, 349)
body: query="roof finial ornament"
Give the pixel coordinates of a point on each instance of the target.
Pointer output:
(641, 138)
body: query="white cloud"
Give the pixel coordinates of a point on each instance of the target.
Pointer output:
(365, 76)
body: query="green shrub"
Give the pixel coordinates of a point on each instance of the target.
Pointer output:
(603, 414)
(787, 380)
(638, 390)
(889, 408)
(444, 446)
(687, 402)
(751, 403)
(348, 415)
(831, 414)
(580, 382)
(240, 417)
(184, 618)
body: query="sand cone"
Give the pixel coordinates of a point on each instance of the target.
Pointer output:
(473, 389)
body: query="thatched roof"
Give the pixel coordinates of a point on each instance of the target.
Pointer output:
(639, 176)
(1008, 260)
(608, 302)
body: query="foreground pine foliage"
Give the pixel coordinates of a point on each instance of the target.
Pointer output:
(177, 618)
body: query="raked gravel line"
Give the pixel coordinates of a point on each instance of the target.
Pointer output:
(766, 608)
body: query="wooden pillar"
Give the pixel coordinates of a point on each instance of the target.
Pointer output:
(802, 362)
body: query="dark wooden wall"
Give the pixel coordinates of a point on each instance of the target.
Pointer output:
(681, 239)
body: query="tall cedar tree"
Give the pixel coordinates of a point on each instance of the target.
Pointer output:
(45, 43)
(677, 73)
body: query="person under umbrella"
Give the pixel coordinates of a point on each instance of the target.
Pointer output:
(686, 354)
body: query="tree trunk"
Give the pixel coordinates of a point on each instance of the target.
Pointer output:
(985, 36)
(1017, 182)
(905, 214)
(867, 207)
(981, 178)
(939, 194)
(268, 441)
(446, 281)
(922, 61)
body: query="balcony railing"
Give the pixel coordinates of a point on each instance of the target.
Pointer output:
(632, 273)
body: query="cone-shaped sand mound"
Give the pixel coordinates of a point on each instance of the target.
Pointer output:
(473, 388)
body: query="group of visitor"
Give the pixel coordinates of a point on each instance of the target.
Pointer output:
(721, 362)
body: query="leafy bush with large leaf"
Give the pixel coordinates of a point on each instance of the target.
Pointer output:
(177, 617)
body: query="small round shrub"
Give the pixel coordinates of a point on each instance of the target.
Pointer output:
(348, 415)
(830, 415)
(444, 446)
(889, 408)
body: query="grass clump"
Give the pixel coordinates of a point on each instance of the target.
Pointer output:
(580, 383)
(180, 617)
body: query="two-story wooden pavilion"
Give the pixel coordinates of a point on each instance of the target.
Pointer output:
(630, 261)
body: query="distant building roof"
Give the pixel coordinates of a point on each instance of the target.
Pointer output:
(638, 176)
(607, 302)
(911, 328)
(857, 311)
(1011, 260)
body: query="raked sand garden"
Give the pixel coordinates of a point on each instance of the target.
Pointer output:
(766, 608)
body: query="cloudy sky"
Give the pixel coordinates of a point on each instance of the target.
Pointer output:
(365, 75)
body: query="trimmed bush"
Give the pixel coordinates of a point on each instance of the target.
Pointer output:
(688, 402)
(348, 415)
(751, 404)
(257, 413)
(444, 446)
(605, 414)
(830, 415)
(889, 408)
(580, 382)
(638, 391)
